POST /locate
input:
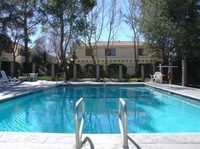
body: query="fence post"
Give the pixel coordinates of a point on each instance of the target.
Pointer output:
(33, 67)
(120, 73)
(97, 73)
(12, 69)
(142, 72)
(52, 72)
(74, 72)
(184, 73)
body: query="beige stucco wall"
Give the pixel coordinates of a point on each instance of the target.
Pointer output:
(21, 59)
(6, 56)
(124, 55)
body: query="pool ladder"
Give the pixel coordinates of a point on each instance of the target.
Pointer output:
(79, 141)
(79, 130)
(122, 123)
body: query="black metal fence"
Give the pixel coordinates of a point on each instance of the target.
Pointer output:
(112, 72)
(193, 73)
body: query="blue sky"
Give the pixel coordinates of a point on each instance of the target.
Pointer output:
(124, 32)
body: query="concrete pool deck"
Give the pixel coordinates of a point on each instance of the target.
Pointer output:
(18, 140)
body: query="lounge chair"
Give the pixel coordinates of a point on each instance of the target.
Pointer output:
(2, 81)
(7, 79)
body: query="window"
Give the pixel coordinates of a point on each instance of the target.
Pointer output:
(87, 52)
(110, 52)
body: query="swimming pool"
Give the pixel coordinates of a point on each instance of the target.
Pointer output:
(149, 110)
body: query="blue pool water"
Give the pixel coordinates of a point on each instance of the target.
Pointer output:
(149, 110)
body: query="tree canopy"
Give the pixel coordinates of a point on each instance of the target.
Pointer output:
(5, 43)
(63, 19)
(171, 27)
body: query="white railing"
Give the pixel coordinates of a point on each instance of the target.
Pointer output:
(78, 129)
(123, 125)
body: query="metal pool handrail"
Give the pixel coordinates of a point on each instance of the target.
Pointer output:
(78, 129)
(123, 126)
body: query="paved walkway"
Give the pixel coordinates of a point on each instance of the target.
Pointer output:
(10, 140)
(12, 90)
(177, 89)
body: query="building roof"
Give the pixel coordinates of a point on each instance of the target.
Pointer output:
(117, 43)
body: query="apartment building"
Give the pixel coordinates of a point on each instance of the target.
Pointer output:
(20, 58)
(119, 52)
(6, 59)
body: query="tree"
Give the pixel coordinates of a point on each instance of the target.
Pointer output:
(30, 18)
(156, 27)
(131, 17)
(186, 17)
(4, 16)
(93, 25)
(5, 44)
(170, 30)
(19, 21)
(24, 16)
(62, 22)
(112, 25)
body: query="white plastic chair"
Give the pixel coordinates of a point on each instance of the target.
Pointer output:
(32, 76)
(158, 77)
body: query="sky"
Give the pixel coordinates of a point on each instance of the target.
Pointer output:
(124, 32)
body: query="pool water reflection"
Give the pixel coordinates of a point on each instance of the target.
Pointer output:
(52, 110)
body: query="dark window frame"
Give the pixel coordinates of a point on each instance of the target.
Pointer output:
(110, 52)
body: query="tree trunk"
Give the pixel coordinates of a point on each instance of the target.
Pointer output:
(0, 57)
(26, 54)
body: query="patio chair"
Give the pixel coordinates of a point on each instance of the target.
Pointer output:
(2, 81)
(7, 79)
(32, 76)
(158, 77)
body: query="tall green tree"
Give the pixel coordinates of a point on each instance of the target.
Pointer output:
(20, 14)
(19, 20)
(4, 16)
(5, 44)
(171, 26)
(7, 18)
(63, 19)
(28, 14)
(156, 27)
(186, 17)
